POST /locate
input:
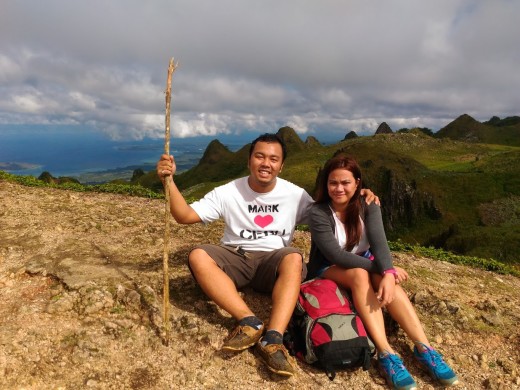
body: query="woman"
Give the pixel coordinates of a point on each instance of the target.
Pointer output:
(349, 247)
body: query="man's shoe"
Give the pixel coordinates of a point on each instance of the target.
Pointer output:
(277, 358)
(395, 373)
(432, 361)
(242, 337)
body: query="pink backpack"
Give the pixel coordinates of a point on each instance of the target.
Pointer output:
(326, 331)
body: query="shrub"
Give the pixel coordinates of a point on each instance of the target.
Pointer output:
(439, 254)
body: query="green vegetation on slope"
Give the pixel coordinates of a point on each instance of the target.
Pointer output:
(495, 131)
(116, 188)
(442, 255)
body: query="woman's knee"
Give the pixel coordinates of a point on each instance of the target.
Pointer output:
(359, 277)
(353, 278)
(400, 295)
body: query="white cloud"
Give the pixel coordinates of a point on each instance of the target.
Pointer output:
(203, 125)
(30, 104)
(82, 101)
(9, 69)
(254, 66)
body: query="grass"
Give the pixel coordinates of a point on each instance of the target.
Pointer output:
(445, 155)
(124, 189)
(427, 274)
(442, 255)
(118, 309)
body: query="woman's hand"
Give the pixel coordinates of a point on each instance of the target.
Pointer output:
(401, 275)
(386, 291)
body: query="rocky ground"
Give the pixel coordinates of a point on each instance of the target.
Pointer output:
(81, 306)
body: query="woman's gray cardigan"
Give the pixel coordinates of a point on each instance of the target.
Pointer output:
(325, 249)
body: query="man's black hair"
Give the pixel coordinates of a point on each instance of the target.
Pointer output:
(270, 138)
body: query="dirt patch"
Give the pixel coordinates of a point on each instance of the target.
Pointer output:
(81, 302)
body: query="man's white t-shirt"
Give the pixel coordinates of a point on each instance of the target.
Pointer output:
(256, 221)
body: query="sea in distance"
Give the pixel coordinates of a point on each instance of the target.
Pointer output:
(91, 156)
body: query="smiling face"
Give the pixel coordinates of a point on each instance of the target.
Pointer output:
(265, 163)
(341, 186)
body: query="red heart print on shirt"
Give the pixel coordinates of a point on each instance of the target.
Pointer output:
(263, 221)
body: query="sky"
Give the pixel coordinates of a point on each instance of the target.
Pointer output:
(322, 67)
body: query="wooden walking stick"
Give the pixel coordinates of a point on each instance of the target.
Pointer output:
(166, 252)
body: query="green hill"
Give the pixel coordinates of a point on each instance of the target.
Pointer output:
(216, 165)
(495, 131)
(435, 191)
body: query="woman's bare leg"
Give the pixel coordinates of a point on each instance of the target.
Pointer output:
(402, 311)
(365, 301)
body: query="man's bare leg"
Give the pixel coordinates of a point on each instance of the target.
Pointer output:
(285, 291)
(217, 285)
(284, 296)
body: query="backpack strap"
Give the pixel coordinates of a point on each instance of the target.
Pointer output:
(366, 359)
(329, 371)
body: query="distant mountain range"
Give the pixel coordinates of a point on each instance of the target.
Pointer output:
(457, 189)
(13, 166)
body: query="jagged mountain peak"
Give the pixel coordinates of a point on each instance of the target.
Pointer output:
(350, 135)
(291, 138)
(215, 152)
(384, 129)
(311, 141)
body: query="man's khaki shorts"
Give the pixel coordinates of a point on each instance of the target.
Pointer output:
(256, 269)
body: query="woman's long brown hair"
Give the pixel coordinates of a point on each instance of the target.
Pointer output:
(352, 223)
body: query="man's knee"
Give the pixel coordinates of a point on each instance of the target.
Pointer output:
(198, 259)
(292, 262)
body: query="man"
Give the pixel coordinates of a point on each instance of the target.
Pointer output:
(260, 212)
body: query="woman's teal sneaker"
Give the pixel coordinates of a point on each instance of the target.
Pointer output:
(395, 373)
(432, 361)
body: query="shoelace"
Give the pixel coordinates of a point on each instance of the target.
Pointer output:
(434, 357)
(239, 329)
(277, 347)
(397, 366)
